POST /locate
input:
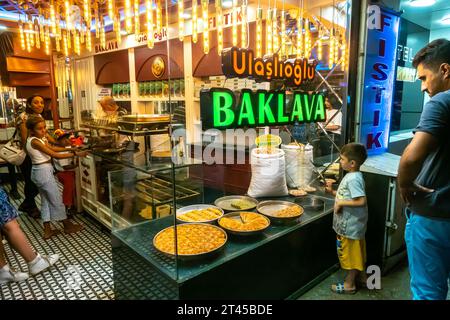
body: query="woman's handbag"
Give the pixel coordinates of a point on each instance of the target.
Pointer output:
(12, 153)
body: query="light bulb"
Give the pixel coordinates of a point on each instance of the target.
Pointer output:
(194, 21)
(244, 25)
(205, 4)
(259, 13)
(150, 40)
(219, 19)
(180, 20)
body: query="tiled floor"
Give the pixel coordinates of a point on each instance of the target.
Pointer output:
(84, 270)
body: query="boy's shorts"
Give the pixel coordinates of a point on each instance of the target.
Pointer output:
(351, 253)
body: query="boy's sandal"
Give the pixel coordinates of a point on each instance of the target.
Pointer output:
(340, 289)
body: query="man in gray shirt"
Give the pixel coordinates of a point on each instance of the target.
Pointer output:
(424, 178)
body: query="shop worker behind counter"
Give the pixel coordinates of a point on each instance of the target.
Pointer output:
(424, 178)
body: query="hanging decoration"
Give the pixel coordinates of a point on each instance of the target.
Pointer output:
(137, 22)
(36, 33)
(244, 24)
(275, 33)
(21, 35)
(180, 20)
(283, 32)
(149, 7)
(159, 16)
(259, 15)
(205, 18)
(194, 21)
(269, 38)
(235, 24)
(219, 20)
(300, 32)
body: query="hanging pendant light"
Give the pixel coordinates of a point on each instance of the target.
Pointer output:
(47, 40)
(118, 27)
(331, 50)
(205, 17)
(219, 19)
(88, 40)
(128, 17)
(194, 21)
(344, 54)
(111, 9)
(41, 29)
(307, 39)
(22, 36)
(244, 24)
(159, 16)
(150, 39)
(300, 32)
(234, 22)
(319, 39)
(30, 32)
(65, 44)
(53, 17)
(36, 33)
(283, 32)
(97, 21)
(102, 35)
(87, 12)
(180, 20)
(58, 44)
(68, 20)
(269, 38)
(275, 34)
(137, 22)
(259, 15)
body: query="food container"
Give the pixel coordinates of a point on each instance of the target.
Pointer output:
(203, 255)
(236, 216)
(311, 203)
(146, 118)
(187, 209)
(226, 203)
(271, 207)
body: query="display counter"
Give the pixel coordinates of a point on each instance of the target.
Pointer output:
(273, 265)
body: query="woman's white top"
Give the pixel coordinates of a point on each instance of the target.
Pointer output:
(37, 157)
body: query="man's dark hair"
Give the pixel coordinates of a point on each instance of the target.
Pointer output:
(355, 151)
(433, 54)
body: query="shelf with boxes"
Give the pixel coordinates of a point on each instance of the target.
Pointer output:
(160, 90)
(233, 84)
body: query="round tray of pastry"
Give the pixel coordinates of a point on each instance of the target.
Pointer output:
(236, 203)
(244, 223)
(280, 211)
(204, 213)
(194, 240)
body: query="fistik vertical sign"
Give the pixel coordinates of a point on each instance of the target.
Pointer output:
(379, 82)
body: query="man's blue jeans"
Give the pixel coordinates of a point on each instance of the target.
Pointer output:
(428, 246)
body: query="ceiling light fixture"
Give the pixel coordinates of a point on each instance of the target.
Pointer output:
(421, 3)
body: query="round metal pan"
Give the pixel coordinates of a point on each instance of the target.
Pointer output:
(189, 257)
(197, 207)
(236, 215)
(146, 118)
(225, 203)
(270, 207)
(311, 203)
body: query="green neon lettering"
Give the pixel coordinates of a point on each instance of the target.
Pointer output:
(264, 108)
(320, 109)
(222, 103)
(281, 117)
(246, 110)
(308, 107)
(297, 110)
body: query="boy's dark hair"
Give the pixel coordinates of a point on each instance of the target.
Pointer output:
(355, 151)
(29, 100)
(33, 120)
(433, 54)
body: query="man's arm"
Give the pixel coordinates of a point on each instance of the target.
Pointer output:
(411, 163)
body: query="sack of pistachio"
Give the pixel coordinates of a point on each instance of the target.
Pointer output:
(268, 173)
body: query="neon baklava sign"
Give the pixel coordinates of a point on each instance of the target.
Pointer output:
(222, 108)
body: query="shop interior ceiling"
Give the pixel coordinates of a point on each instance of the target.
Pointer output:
(436, 16)
(12, 10)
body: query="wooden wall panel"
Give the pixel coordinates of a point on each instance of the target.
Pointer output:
(145, 57)
(29, 79)
(25, 92)
(112, 67)
(16, 64)
(210, 64)
(35, 53)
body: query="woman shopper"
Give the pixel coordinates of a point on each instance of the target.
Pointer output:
(35, 106)
(41, 154)
(18, 241)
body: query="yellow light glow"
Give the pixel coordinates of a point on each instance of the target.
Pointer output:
(283, 33)
(97, 21)
(128, 16)
(259, 30)
(159, 16)
(76, 43)
(69, 40)
(299, 37)
(53, 17)
(235, 27)
(180, 20)
(41, 31)
(219, 19)
(31, 31)
(102, 35)
(22, 36)
(319, 46)
(336, 48)
(88, 41)
(194, 21)
(331, 50)
(47, 41)
(275, 34)
(118, 28)
(205, 26)
(82, 34)
(244, 25)
(269, 37)
(110, 9)
(68, 20)
(307, 39)
(36, 33)
(65, 44)
(58, 44)
(137, 22)
(150, 39)
(87, 12)
(27, 36)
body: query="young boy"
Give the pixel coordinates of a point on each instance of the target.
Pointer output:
(66, 172)
(350, 219)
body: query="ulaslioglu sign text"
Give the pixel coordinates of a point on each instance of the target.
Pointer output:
(242, 63)
(221, 109)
